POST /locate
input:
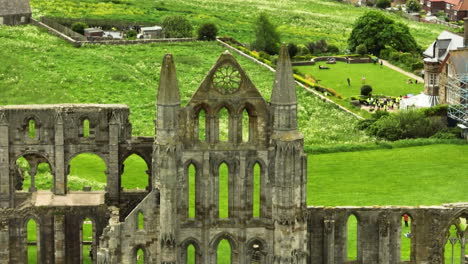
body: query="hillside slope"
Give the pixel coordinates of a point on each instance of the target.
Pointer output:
(38, 68)
(299, 21)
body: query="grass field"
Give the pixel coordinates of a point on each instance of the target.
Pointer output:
(39, 68)
(299, 21)
(394, 83)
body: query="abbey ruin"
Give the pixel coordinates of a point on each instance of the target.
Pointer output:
(285, 231)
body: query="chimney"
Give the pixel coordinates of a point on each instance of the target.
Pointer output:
(465, 38)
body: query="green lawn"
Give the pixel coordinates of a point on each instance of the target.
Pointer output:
(394, 83)
(300, 21)
(426, 175)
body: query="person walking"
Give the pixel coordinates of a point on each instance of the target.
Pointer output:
(406, 218)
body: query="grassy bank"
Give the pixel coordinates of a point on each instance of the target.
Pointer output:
(38, 68)
(299, 21)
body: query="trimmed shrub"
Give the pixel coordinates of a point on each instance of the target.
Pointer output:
(383, 4)
(361, 49)
(207, 31)
(366, 90)
(176, 27)
(131, 34)
(79, 27)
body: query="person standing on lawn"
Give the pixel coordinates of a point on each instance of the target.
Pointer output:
(349, 81)
(406, 218)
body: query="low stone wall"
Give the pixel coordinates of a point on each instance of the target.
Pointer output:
(78, 43)
(136, 41)
(303, 63)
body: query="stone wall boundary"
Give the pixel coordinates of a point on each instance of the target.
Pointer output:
(79, 43)
(324, 98)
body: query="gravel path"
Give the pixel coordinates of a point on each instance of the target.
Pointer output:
(388, 64)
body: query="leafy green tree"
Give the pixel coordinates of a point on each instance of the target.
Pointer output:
(375, 31)
(79, 27)
(292, 49)
(176, 27)
(383, 4)
(361, 49)
(207, 31)
(413, 6)
(266, 37)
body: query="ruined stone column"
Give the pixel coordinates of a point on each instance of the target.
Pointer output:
(5, 187)
(384, 240)
(4, 241)
(60, 186)
(113, 186)
(329, 241)
(59, 233)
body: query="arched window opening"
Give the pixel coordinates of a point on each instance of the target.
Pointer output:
(223, 191)
(140, 256)
(32, 128)
(257, 252)
(135, 173)
(256, 190)
(246, 129)
(192, 191)
(191, 259)
(33, 173)
(452, 253)
(141, 221)
(223, 129)
(87, 170)
(223, 252)
(32, 235)
(86, 128)
(202, 125)
(352, 237)
(405, 248)
(87, 241)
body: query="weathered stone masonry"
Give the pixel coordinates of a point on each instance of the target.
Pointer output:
(287, 231)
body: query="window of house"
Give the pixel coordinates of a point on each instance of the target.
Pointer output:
(432, 79)
(447, 6)
(23, 19)
(428, 4)
(1, 20)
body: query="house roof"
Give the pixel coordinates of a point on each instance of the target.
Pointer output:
(462, 6)
(453, 2)
(151, 28)
(13, 7)
(445, 42)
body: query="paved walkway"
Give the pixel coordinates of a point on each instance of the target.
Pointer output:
(393, 67)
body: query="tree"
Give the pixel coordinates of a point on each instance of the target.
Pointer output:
(383, 4)
(207, 31)
(79, 27)
(266, 37)
(413, 6)
(176, 27)
(366, 90)
(375, 31)
(292, 49)
(361, 49)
